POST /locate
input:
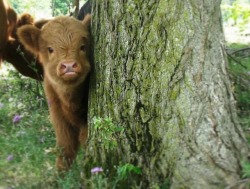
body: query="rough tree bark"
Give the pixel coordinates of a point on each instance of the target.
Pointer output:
(160, 73)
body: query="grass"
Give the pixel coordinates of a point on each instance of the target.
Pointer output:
(27, 154)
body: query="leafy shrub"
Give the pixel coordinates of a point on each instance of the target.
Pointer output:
(238, 13)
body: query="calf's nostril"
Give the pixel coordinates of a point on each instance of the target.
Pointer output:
(63, 66)
(74, 65)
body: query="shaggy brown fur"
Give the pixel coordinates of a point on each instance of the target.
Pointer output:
(9, 43)
(62, 46)
(8, 19)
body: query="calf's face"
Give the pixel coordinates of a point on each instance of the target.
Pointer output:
(62, 46)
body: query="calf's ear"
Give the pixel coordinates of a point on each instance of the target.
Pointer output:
(25, 19)
(40, 23)
(29, 36)
(12, 19)
(87, 20)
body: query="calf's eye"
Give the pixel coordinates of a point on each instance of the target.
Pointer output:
(50, 50)
(83, 48)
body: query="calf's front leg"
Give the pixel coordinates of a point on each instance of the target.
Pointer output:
(67, 141)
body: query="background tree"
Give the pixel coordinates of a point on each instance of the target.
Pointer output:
(161, 74)
(61, 7)
(75, 8)
(69, 7)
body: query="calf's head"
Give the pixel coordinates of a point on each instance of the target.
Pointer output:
(62, 46)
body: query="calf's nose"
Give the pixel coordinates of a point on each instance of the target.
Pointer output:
(68, 66)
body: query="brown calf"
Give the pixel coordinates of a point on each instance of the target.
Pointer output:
(62, 46)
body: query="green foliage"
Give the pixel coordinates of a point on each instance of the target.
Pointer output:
(106, 133)
(126, 174)
(39, 9)
(98, 181)
(239, 68)
(60, 7)
(43, 8)
(123, 178)
(124, 171)
(238, 12)
(246, 170)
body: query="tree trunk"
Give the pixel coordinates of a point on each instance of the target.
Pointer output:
(160, 73)
(53, 2)
(76, 8)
